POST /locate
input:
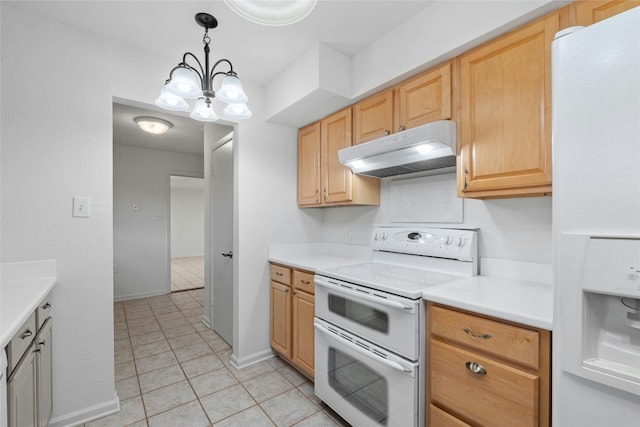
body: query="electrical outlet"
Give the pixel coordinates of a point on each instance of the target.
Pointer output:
(81, 207)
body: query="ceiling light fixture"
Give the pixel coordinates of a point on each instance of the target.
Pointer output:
(153, 125)
(188, 82)
(275, 13)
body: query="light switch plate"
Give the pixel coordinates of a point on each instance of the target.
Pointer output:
(81, 207)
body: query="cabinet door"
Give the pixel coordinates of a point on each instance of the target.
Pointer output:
(44, 372)
(303, 332)
(590, 12)
(281, 318)
(373, 117)
(309, 165)
(425, 98)
(335, 135)
(505, 123)
(21, 393)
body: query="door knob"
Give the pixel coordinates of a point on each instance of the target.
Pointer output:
(228, 255)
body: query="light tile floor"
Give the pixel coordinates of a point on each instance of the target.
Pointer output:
(187, 273)
(171, 371)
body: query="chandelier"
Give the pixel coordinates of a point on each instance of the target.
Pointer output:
(190, 82)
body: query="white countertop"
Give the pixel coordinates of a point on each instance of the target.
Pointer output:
(316, 256)
(23, 286)
(520, 301)
(522, 295)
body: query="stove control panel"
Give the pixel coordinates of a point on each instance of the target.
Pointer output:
(437, 242)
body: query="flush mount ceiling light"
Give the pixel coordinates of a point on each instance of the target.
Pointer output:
(153, 125)
(196, 82)
(275, 13)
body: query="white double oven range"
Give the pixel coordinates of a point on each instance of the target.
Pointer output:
(370, 319)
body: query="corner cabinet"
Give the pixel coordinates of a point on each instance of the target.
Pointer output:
(414, 102)
(505, 114)
(292, 311)
(485, 371)
(322, 179)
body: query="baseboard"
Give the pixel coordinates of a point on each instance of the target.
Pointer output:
(87, 414)
(250, 360)
(140, 295)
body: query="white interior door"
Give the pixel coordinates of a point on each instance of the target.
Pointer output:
(222, 241)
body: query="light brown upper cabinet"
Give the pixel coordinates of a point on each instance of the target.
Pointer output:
(419, 100)
(425, 98)
(309, 165)
(589, 12)
(322, 179)
(505, 114)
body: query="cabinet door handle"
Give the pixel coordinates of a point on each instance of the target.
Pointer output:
(401, 128)
(476, 368)
(468, 332)
(387, 132)
(26, 334)
(466, 172)
(46, 306)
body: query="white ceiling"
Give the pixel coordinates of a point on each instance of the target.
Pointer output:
(257, 52)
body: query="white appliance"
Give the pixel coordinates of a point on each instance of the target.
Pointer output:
(596, 224)
(426, 147)
(369, 325)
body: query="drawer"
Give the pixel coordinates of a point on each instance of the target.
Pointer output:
(44, 311)
(21, 341)
(501, 396)
(281, 274)
(507, 341)
(303, 281)
(440, 418)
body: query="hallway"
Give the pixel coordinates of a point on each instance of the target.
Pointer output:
(173, 371)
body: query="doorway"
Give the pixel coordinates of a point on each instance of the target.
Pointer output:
(187, 233)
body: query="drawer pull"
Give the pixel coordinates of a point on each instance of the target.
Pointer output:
(305, 282)
(279, 274)
(468, 332)
(476, 368)
(26, 334)
(46, 306)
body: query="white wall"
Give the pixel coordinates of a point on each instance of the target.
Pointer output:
(141, 238)
(514, 229)
(187, 222)
(266, 211)
(66, 151)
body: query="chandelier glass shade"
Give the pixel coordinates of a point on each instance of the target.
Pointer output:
(196, 82)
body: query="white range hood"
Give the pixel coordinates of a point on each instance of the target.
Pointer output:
(427, 147)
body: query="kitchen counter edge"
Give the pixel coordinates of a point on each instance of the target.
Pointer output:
(520, 301)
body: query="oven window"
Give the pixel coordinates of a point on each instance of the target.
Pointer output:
(359, 313)
(359, 385)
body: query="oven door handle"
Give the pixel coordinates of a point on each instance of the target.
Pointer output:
(390, 363)
(364, 296)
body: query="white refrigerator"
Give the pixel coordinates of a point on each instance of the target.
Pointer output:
(596, 224)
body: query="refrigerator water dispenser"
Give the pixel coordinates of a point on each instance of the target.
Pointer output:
(601, 297)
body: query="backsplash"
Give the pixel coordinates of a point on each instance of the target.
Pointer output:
(517, 229)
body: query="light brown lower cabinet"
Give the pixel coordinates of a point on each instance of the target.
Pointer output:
(292, 311)
(484, 371)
